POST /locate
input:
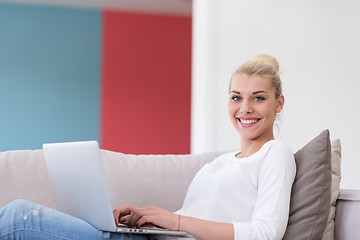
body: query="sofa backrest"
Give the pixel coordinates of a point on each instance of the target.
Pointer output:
(23, 175)
(160, 180)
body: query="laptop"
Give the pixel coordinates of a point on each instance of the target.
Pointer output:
(78, 182)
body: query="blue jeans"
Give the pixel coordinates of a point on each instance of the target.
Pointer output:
(21, 219)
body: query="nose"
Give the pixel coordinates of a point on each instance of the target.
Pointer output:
(246, 108)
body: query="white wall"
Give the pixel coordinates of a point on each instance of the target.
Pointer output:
(317, 45)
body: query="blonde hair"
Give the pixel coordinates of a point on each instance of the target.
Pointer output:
(264, 65)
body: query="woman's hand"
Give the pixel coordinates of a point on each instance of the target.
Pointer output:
(123, 211)
(199, 229)
(137, 217)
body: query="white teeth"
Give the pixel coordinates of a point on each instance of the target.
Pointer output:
(248, 121)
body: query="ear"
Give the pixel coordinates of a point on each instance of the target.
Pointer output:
(280, 103)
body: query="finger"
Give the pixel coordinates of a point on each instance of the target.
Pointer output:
(126, 209)
(158, 217)
(142, 216)
(132, 219)
(116, 214)
(122, 211)
(124, 220)
(144, 220)
(147, 221)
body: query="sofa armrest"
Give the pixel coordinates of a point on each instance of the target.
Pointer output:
(349, 195)
(347, 224)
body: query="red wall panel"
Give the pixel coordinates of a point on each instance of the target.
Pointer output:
(146, 83)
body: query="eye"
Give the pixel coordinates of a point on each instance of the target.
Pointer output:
(236, 98)
(259, 99)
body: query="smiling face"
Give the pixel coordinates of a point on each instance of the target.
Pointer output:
(252, 106)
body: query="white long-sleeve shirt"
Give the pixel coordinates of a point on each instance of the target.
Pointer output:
(252, 193)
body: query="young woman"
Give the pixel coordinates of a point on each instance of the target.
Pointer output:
(239, 195)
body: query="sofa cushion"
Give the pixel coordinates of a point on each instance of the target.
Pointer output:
(335, 188)
(311, 192)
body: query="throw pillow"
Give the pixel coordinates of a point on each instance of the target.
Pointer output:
(311, 192)
(335, 188)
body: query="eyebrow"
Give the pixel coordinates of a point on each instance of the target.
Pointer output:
(254, 93)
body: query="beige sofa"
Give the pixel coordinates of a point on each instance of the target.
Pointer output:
(160, 180)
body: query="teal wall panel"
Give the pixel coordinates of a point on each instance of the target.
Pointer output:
(50, 63)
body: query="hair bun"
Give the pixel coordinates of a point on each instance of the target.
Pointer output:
(268, 59)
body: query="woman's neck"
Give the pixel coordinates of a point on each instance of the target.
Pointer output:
(249, 147)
